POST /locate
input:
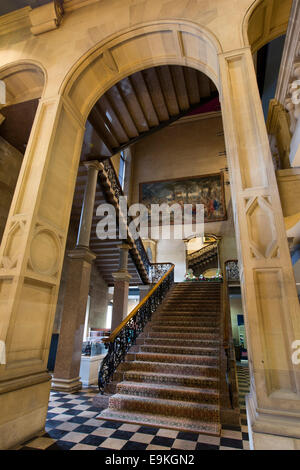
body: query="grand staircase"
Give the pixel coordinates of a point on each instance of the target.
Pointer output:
(171, 377)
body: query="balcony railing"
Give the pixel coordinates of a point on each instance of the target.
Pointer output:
(232, 270)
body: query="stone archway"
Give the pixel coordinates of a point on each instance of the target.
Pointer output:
(264, 21)
(33, 245)
(150, 45)
(23, 82)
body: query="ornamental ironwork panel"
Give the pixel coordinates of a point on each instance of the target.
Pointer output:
(232, 270)
(158, 270)
(113, 179)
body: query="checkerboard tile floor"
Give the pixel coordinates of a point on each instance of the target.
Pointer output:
(71, 425)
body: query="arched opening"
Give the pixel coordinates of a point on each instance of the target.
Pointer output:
(264, 29)
(267, 24)
(267, 28)
(24, 85)
(169, 115)
(152, 45)
(265, 20)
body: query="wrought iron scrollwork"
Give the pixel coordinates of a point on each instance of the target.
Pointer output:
(158, 270)
(143, 254)
(113, 178)
(119, 346)
(232, 270)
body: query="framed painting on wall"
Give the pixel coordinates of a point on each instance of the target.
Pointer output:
(205, 189)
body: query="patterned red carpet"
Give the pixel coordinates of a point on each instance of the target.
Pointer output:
(171, 378)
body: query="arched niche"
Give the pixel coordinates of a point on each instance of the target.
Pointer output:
(146, 46)
(24, 81)
(265, 20)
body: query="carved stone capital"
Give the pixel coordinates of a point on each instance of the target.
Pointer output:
(82, 253)
(121, 276)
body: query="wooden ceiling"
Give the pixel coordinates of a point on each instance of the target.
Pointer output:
(145, 102)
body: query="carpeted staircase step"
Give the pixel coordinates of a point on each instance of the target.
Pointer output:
(148, 419)
(187, 313)
(175, 349)
(168, 314)
(201, 411)
(201, 343)
(177, 358)
(182, 322)
(168, 392)
(185, 329)
(172, 379)
(181, 335)
(191, 306)
(178, 310)
(192, 300)
(171, 368)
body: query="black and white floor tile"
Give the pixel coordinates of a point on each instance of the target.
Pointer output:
(72, 425)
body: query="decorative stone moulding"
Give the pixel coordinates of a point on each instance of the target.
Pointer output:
(46, 17)
(45, 252)
(263, 239)
(13, 245)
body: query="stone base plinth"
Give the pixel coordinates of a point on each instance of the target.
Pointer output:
(271, 430)
(66, 385)
(23, 408)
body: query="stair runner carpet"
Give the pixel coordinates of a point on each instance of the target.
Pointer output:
(171, 377)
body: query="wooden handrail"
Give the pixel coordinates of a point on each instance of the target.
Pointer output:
(117, 330)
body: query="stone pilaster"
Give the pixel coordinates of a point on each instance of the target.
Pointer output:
(31, 257)
(270, 301)
(144, 290)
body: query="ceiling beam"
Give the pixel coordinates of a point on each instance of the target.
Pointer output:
(163, 124)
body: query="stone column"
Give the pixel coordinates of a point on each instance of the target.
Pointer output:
(67, 366)
(31, 257)
(144, 290)
(121, 287)
(270, 302)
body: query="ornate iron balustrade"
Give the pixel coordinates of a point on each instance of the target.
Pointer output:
(125, 335)
(144, 257)
(113, 179)
(158, 270)
(232, 271)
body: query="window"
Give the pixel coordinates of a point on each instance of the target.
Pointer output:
(122, 170)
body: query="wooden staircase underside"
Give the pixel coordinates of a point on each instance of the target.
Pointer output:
(107, 251)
